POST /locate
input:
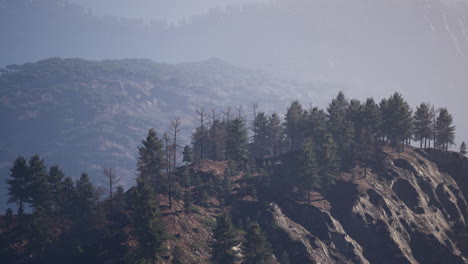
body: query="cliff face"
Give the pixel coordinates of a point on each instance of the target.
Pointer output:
(410, 208)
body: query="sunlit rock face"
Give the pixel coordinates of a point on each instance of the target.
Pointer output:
(409, 208)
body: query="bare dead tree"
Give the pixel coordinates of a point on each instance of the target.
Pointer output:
(254, 106)
(214, 117)
(202, 115)
(175, 129)
(98, 193)
(227, 116)
(113, 180)
(240, 111)
(168, 153)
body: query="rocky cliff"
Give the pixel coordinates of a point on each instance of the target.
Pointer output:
(409, 208)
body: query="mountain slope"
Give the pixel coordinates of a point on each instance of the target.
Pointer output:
(87, 115)
(411, 208)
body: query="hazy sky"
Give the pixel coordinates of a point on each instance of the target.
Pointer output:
(171, 10)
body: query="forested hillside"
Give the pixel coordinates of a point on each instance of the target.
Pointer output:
(335, 185)
(87, 115)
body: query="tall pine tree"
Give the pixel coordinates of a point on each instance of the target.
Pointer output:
(225, 239)
(293, 120)
(445, 130)
(310, 178)
(149, 228)
(423, 124)
(236, 140)
(18, 183)
(256, 249)
(151, 158)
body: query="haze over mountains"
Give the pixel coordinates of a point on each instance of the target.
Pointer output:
(417, 47)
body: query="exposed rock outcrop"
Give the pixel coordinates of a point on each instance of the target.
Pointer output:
(410, 208)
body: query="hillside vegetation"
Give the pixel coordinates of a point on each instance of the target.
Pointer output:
(341, 185)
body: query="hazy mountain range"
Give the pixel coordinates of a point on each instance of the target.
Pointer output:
(417, 47)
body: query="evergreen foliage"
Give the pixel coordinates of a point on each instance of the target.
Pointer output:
(396, 120)
(423, 124)
(445, 130)
(187, 155)
(151, 158)
(340, 126)
(19, 183)
(463, 148)
(225, 239)
(329, 162)
(256, 249)
(310, 178)
(40, 192)
(149, 228)
(293, 120)
(275, 134)
(237, 140)
(261, 131)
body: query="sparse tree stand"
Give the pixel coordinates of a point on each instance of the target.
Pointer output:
(463, 148)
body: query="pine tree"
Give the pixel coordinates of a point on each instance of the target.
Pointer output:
(39, 193)
(225, 239)
(463, 148)
(84, 204)
(256, 249)
(275, 135)
(367, 127)
(201, 139)
(236, 140)
(396, 119)
(293, 120)
(340, 126)
(151, 158)
(315, 125)
(18, 183)
(40, 233)
(445, 130)
(423, 124)
(261, 131)
(329, 162)
(67, 197)
(149, 228)
(56, 177)
(310, 178)
(187, 155)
